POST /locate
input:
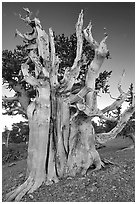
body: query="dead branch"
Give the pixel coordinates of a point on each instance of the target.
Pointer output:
(72, 73)
(89, 37)
(27, 76)
(120, 82)
(54, 60)
(52, 44)
(101, 52)
(75, 98)
(10, 99)
(43, 43)
(104, 137)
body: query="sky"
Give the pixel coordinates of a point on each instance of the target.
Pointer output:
(117, 17)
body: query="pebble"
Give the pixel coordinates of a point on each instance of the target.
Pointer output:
(31, 196)
(93, 188)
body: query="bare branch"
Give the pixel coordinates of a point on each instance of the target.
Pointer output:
(89, 37)
(27, 36)
(74, 98)
(54, 61)
(101, 52)
(123, 96)
(116, 103)
(35, 59)
(28, 77)
(43, 44)
(14, 98)
(27, 17)
(79, 25)
(71, 74)
(54, 73)
(23, 97)
(52, 44)
(120, 82)
(111, 96)
(104, 137)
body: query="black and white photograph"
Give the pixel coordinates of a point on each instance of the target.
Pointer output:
(68, 101)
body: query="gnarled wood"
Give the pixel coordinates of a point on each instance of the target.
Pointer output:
(104, 137)
(62, 140)
(72, 73)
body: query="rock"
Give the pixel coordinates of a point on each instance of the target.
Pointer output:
(31, 196)
(91, 189)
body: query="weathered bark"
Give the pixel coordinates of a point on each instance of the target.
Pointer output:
(51, 171)
(72, 73)
(39, 123)
(61, 142)
(22, 95)
(101, 53)
(82, 152)
(63, 120)
(7, 139)
(104, 137)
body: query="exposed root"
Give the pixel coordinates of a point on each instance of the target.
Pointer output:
(106, 161)
(29, 186)
(36, 185)
(101, 164)
(51, 181)
(98, 167)
(127, 148)
(20, 191)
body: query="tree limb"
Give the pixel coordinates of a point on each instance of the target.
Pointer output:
(72, 73)
(23, 98)
(43, 43)
(27, 17)
(101, 52)
(79, 35)
(89, 37)
(120, 83)
(52, 44)
(27, 36)
(14, 98)
(54, 61)
(75, 98)
(27, 76)
(118, 102)
(104, 137)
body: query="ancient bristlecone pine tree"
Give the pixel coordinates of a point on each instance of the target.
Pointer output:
(62, 142)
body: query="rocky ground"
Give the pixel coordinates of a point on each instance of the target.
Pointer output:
(114, 183)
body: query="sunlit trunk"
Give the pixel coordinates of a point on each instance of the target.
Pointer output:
(62, 143)
(82, 152)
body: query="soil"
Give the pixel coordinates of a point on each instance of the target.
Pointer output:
(113, 183)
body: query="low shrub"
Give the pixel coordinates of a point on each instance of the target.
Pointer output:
(14, 152)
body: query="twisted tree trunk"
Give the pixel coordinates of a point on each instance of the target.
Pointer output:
(62, 143)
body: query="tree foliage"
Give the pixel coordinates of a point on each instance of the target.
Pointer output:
(19, 132)
(131, 94)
